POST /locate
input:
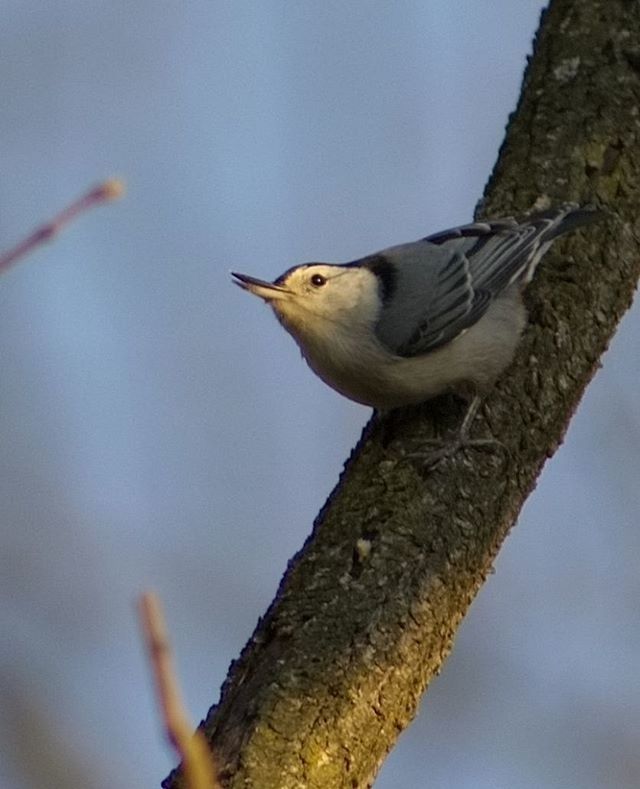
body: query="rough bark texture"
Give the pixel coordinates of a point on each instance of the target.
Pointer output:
(368, 610)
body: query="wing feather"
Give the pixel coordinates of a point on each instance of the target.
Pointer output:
(446, 281)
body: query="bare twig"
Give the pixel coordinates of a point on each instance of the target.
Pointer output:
(103, 193)
(199, 770)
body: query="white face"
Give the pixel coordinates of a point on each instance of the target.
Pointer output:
(307, 296)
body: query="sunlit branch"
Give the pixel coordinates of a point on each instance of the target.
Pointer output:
(199, 770)
(103, 193)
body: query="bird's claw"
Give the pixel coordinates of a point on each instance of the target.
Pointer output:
(447, 449)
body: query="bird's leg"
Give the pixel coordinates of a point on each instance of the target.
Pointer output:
(470, 415)
(460, 440)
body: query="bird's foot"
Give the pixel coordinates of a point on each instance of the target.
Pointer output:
(445, 449)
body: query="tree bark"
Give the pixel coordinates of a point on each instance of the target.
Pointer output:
(368, 609)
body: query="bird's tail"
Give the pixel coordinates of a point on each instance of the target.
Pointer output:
(553, 223)
(564, 219)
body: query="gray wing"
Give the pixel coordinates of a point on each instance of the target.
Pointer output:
(444, 283)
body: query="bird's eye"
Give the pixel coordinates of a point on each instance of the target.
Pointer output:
(317, 280)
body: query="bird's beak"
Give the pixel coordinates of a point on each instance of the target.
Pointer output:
(260, 287)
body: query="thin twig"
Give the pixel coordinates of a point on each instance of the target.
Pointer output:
(192, 748)
(103, 193)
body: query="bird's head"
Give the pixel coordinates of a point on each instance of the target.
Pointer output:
(309, 298)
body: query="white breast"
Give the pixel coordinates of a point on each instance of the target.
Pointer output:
(366, 372)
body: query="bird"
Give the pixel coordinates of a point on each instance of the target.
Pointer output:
(443, 314)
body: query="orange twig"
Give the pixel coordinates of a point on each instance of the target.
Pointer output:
(197, 761)
(103, 193)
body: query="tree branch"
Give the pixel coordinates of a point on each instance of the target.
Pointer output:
(104, 192)
(199, 769)
(368, 610)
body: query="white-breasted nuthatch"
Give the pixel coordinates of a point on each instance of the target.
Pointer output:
(443, 314)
